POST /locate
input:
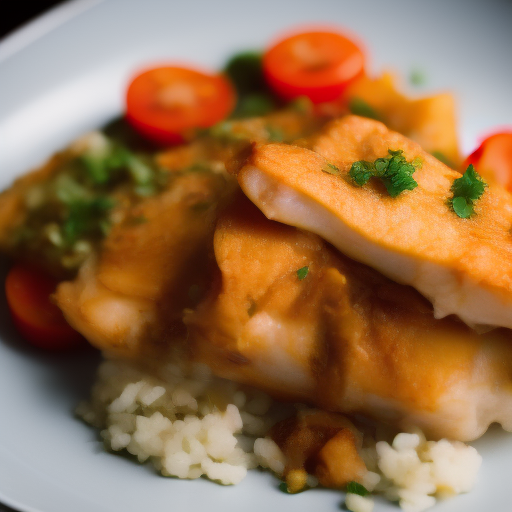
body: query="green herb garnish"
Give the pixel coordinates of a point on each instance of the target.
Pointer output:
(254, 105)
(357, 488)
(224, 132)
(302, 273)
(359, 107)
(67, 189)
(283, 487)
(361, 172)
(331, 169)
(86, 217)
(466, 190)
(394, 171)
(107, 169)
(96, 169)
(71, 212)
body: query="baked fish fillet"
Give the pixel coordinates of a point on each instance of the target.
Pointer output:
(128, 299)
(343, 337)
(463, 266)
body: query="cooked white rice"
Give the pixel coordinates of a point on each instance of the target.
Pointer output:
(190, 424)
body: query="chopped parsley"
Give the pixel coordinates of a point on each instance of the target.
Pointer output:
(466, 190)
(357, 488)
(255, 104)
(394, 171)
(283, 488)
(361, 172)
(86, 217)
(331, 169)
(302, 273)
(225, 132)
(116, 164)
(359, 107)
(72, 211)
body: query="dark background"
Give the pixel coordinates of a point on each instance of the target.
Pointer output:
(18, 13)
(11, 19)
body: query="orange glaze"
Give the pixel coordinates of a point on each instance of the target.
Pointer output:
(344, 338)
(463, 266)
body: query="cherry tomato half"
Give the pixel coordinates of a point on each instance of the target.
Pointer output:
(39, 320)
(493, 159)
(318, 65)
(164, 103)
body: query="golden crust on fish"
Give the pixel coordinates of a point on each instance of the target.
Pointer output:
(129, 299)
(463, 266)
(344, 338)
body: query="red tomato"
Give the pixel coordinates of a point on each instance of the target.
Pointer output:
(164, 103)
(493, 159)
(39, 320)
(315, 64)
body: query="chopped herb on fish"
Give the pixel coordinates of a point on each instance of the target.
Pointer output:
(302, 273)
(107, 168)
(72, 209)
(331, 169)
(361, 172)
(466, 190)
(86, 217)
(224, 132)
(394, 171)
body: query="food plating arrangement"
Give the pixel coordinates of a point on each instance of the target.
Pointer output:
(286, 264)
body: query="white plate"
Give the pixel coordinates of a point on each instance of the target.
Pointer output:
(64, 74)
